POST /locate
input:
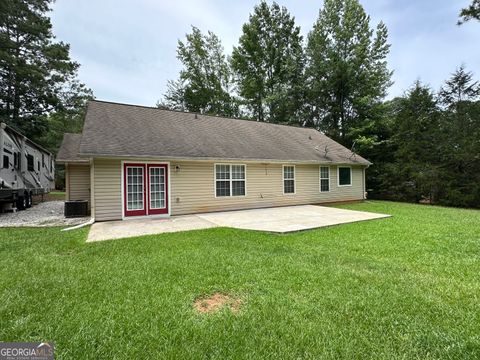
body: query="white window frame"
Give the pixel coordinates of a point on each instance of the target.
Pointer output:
(338, 175)
(320, 178)
(294, 179)
(231, 180)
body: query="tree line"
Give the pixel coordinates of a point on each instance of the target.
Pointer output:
(335, 82)
(424, 145)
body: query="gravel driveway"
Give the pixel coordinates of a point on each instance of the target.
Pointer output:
(49, 213)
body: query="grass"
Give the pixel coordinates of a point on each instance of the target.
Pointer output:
(402, 287)
(51, 196)
(55, 195)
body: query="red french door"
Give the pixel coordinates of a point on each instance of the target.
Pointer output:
(134, 192)
(145, 189)
(157, 189)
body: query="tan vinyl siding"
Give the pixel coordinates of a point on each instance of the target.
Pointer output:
(107, 187)
(192, 188)
(78, 182)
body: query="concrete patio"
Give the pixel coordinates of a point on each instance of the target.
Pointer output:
(280, 220)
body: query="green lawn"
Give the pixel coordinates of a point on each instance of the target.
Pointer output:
(404, 287)
(51, 196)
(56, 195)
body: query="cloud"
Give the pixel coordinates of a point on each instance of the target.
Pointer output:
(127, 49)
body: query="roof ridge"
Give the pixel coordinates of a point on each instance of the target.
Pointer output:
(206, 115)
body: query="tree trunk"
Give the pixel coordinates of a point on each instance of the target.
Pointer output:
(16, 89)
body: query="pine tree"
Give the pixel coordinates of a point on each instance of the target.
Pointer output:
(268, 64)
(34, 69)
(470, 12)
(460, 139)
(419, 152)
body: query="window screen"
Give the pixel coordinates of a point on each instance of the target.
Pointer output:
(229, 180)
(344, 176)
(324, 179)
(289, 179)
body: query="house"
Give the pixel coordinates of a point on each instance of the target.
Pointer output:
(141, 161)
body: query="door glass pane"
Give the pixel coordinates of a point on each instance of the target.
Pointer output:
(157, 187)
(135, 188)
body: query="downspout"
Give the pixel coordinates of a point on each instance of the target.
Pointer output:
(92, 188)
(365, 182)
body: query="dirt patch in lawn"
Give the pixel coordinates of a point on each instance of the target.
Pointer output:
(215, 302)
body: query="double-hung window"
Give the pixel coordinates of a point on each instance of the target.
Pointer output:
(229, 180)
(324, 179)
(289, 179)
(344, 176)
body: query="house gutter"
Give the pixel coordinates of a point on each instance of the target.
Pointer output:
(209, 159)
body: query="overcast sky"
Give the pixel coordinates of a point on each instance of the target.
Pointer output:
(127, 49)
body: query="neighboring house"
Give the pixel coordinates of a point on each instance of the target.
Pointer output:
(140, 161)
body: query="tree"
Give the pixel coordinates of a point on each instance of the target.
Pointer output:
(205, 83)
(68, 117)
(174, 98)
(33, 67)
(346, 74)
(459, 88)
(460, 127)
(418, 152)
(470, 12)
(268, 64)
(434, 140)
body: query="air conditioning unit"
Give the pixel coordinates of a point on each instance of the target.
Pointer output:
(76, 208)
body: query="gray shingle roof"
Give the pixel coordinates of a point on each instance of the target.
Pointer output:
(120, 130)
(68, 151)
